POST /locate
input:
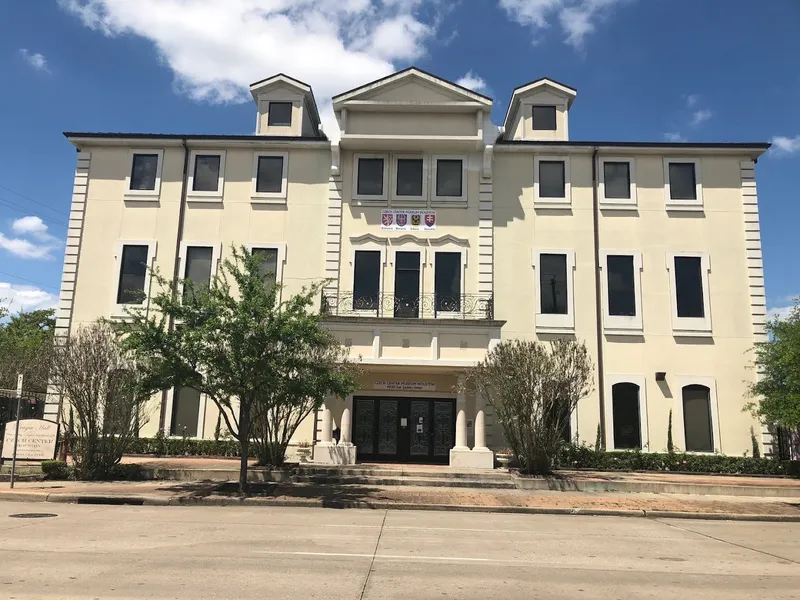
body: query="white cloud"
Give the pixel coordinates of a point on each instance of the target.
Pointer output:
(31, 226)
(25, 297)
(691, 99)
(472, 82)
(701, 116)
(578, 18)
(782, 312)
(216, 48)
(785, 145)
(24, 248)
(674, 136)
(34, 59)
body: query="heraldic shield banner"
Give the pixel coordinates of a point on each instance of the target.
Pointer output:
(408, 220)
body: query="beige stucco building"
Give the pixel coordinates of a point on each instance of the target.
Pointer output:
(440, 235)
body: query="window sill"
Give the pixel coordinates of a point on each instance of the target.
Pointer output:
(268, 199)
(684, 207)
(455, 203)
(553, 204)
(555, 329)
(369, 201)
(620, 331)
(696, 333)
(612, 205)
(417, 202)
(141, 197)
(216, 198)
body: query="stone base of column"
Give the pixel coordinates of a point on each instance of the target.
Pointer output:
(334, 454)
(479, 458)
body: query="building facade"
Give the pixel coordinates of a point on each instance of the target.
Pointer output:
(438, 235)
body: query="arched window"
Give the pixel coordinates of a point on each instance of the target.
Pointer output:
(697, 425)
(626, 414)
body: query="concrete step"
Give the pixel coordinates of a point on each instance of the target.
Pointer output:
(375, 480)
(411, 471)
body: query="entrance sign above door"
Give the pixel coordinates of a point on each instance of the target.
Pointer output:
(406, 386)
(408, 220)
(37, 439)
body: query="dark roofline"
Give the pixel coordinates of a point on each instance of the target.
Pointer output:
(194, 136)
(411, 68)
(281, 75)
(732, 145)
(519, 87)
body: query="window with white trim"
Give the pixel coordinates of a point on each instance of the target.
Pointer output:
(370, 181)
(622, 297)
(280, 114)
(198, 266)
(143, 182)
(618, 183)
(447, 268)
(185, 422)
(269, 178)
(367, 279)
(683, 187)
(554, 271)
(698, 430)
(410, 178)
(543, 117)
(133, 262)
(273, 259)
(207, 175)
(449, 178)
(551, 182)
(691, 309)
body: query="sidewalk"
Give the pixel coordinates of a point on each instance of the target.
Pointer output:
(408, 498)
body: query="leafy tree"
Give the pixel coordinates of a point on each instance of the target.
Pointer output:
(100, 385)
(776, 393)
(265, 363)
(26, 345)
(533, 389)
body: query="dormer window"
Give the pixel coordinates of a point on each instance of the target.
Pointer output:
(544, 118)
(280, 114)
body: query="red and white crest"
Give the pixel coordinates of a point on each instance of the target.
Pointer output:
(430, 219)
(387, 219)
(402, 219)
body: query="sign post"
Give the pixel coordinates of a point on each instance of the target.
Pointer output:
(16, 434)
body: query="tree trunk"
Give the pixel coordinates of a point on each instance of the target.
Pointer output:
(244, 441)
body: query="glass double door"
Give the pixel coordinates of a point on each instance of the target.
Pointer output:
(404, 429)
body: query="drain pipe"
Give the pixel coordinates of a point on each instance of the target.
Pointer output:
(176, 268)
(598, 305)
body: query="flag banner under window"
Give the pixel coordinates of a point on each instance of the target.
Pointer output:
(408, 220)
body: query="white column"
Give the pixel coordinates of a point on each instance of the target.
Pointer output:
(461, 431)
(326, 436)
(480, 431)
(345, 436)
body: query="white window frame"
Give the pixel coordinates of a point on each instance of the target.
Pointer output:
(610, 381)
(399, 200)
(215, 256)
(449, 247)
(690, 326)
(201, 415)
(555, 323)
(386, 179)
(566, 201)
(281, 248)
(618, 203)
(688, 205)
(617, 324)
(448, 200)
(194, 196)
(369, 245)
(270, 197)
(411, 246)
(119, 310)
(679, 434)
(144, 195)
(293, 103)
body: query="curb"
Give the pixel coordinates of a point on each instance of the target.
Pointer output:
(380, 505)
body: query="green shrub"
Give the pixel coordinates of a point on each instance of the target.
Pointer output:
(56, 469)
(126, 472)
(164, 446)
(584, 457)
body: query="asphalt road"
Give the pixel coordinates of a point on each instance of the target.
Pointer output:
(273, 553)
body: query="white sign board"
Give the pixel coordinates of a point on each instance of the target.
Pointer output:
(37, 439)
(406, 386)
(408, 220)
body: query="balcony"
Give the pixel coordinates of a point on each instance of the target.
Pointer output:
(473, 307)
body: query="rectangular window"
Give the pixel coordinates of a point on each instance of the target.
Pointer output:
(370, 177)
(206, 173)
(449, 177)
(697, 423)
(621, 285)
(132, 274)
(269, 175)
(406, 284)
(553, 284)
(689, 295)
(279, 114)
(366, 279)
(199, 265)
(143, 172)
(447, 281)
(682, 181)
(617, 180)
(552, 179)
(185, 412)
(269, 264)
(410, 176)
(544, 118)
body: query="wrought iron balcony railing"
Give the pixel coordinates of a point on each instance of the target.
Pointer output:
(425, 306)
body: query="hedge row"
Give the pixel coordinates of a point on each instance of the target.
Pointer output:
(59, 471)
(584, 457)
(186, 447)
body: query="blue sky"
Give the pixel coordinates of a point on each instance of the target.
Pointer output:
(650, 70)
